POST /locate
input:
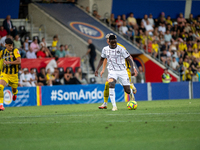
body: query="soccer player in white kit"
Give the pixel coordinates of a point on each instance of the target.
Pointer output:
(116, 56)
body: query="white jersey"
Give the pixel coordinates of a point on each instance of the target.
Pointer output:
(115, 57)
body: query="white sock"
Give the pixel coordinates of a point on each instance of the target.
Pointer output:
(105, 103)
(112, 96)
(1, 103)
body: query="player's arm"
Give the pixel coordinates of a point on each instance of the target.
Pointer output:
(16, 62)
(104, 66)
(132, 64)
(99, 65)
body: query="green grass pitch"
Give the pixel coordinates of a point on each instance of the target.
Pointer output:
(155, 125)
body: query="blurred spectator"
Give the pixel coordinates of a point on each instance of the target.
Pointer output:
(49, 77)
(198, 73)
(96, 15)
(54, 45)
(194, 65)
(181, 20)
(26, 44)
(151, 21)
(182, 46)
(33, 77)
(191, 19)
(163, 57)
(87, 9)
(142, 27)
(144, 20)
(25, 78)
(149, 28)
(30, 54)
(196, 53)
(175, 27)
(79, 76)
(131, 20)
(92, 52)
(188, 74)
(196, 45)
(168, 36)
(185, 63)
(34, 45)
(174, 35)
(155, 48)
(8, 26)
(42, 77)
(52, 65)
(41, 53)
(67, 54)
(187, 28)
(43, 43)
(57, 80)
(124, 18)
(17, 44)
(124, 30)
(174, 64)
(3, 32)
(168, 20)
(111, 21)
(141, 76)
(162, 28)
(181, 68)
(69, 78)
(119, 21)
(60, 53)
(166, 77)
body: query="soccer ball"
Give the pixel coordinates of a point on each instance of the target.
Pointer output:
(132, 105)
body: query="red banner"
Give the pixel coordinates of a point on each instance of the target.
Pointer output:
(42, 62)
(153, 72)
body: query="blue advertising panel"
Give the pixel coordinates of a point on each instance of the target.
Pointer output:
(77, 94)
(141, 94)
(196, 89)
(160, 91)
(26, 97)
(179, 90)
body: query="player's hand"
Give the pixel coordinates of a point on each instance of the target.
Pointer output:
(96, 73)
(132, 73)
(6, 62)
(101, 73)
(136, 72)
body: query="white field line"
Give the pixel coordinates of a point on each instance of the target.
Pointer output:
(113, 114)
(110, 121)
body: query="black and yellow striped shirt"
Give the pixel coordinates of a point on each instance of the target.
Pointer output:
(10, 56)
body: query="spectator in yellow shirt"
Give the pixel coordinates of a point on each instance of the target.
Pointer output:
(131, 20)
(196, 54)
(182, 45)
(196, 45)
(50, 78)
(185, 63)
(188, 74)
(168, 20)
(54, 45)
(155, 48)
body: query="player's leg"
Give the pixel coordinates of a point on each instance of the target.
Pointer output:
(112, 83)
(106, 95)
(13, 82)
(3, 83)
(124, 79)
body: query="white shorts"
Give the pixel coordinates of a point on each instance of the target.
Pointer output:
(121, 75)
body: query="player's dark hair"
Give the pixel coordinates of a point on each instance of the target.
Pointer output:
(8, 41)
(56, 58)
(112, 37)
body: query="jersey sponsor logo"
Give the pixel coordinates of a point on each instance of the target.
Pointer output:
(87, 30)
(17, 52)
(7, 97)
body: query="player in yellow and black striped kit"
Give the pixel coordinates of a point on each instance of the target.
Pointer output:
(106, 89)
(11, 60)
